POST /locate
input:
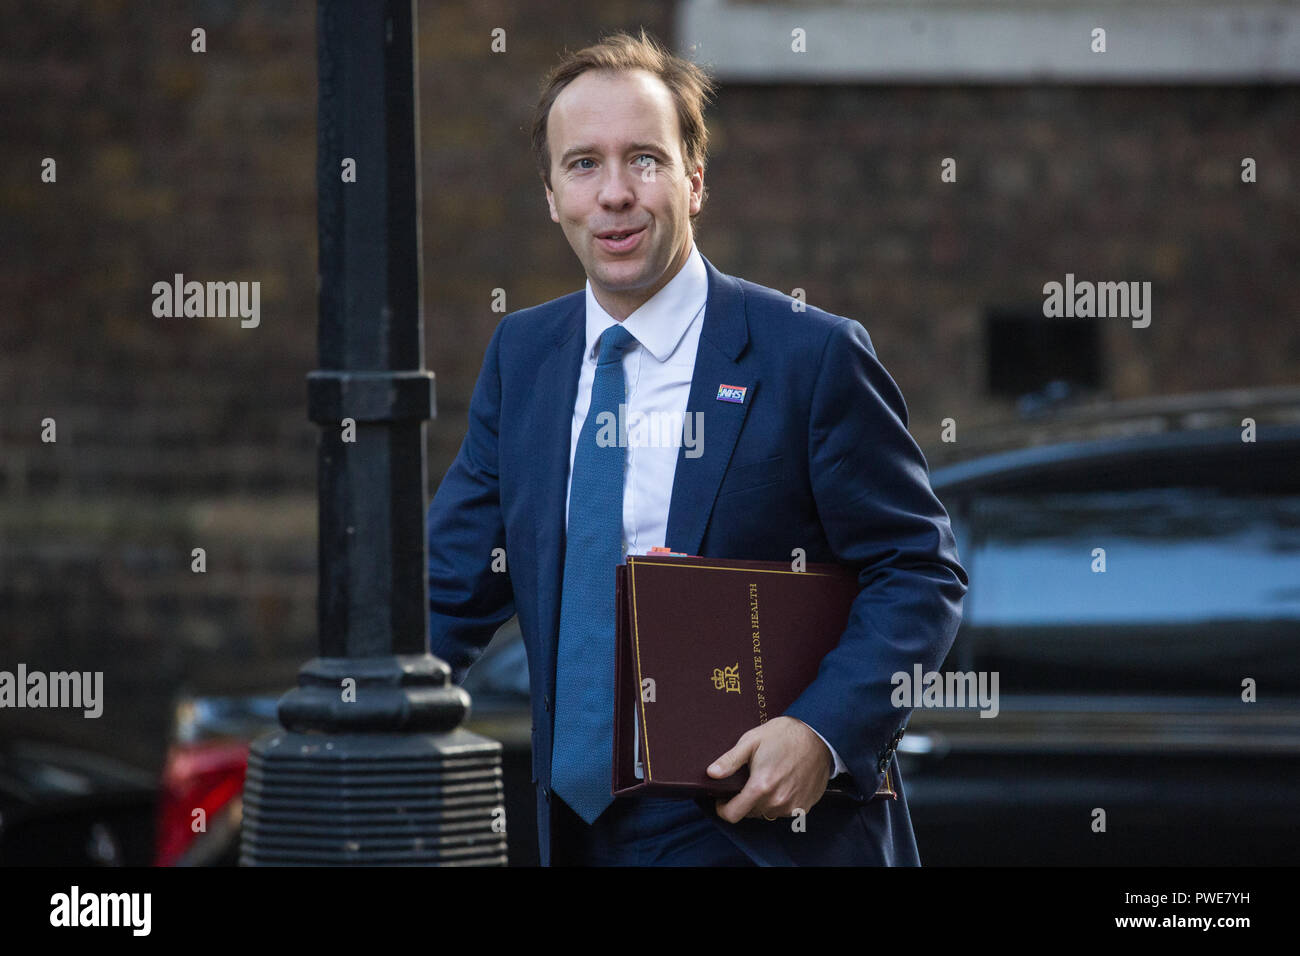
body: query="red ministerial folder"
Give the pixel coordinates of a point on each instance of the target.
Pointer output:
(708, 648)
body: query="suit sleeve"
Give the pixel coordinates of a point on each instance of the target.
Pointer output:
(468, 600)
(881, 517)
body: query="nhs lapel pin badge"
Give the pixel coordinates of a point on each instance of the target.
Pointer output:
(732, 393)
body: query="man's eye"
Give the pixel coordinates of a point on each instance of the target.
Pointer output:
(584, 160)
(649, 157)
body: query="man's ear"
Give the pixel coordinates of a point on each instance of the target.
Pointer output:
(697, 191)
(550, 201)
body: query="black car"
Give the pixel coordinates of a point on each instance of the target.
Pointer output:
(1139, 598)
(65, 806)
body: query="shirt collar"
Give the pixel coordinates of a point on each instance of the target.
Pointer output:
(660, 322)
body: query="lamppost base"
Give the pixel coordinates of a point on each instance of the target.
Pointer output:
(374, 799)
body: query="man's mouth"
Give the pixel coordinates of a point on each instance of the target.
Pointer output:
(620, 241)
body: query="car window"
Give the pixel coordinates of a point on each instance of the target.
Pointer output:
(1201, 589)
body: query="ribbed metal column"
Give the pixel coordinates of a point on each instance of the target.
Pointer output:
(370, 767)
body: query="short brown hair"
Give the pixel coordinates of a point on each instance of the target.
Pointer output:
(619, 52)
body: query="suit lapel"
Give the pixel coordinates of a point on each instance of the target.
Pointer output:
(722, 340)
(555, 391)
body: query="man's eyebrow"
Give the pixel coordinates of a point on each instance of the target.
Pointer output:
(588, 148)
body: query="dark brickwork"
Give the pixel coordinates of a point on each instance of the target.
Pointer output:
(183, 433)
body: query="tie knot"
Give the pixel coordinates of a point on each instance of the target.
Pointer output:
(614, 341)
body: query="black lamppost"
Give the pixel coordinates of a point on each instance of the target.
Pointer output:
(370, 767)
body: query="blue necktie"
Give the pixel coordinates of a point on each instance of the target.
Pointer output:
(581, 766)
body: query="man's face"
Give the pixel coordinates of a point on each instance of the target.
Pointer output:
(617, 167)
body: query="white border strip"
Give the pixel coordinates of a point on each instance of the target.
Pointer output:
(868, 43)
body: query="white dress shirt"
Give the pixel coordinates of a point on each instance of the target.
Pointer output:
(658, 371)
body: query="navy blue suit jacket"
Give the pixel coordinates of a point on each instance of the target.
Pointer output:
(817, 457)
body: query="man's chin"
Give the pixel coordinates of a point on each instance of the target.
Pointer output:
(616, 280)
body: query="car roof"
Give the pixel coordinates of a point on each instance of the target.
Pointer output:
(1206, 456)
(1096, 420)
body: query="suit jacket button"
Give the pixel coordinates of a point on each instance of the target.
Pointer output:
(546, 792)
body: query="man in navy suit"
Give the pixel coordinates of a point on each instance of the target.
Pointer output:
(795, 446)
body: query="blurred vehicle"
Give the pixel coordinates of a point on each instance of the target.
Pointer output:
(1120, 692)
(1157, 693)
(60, 806)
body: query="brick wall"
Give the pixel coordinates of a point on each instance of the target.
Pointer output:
(183, 433)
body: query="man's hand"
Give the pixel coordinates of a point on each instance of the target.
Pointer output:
(789, 768)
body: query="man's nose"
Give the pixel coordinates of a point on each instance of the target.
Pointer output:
(616, 188)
